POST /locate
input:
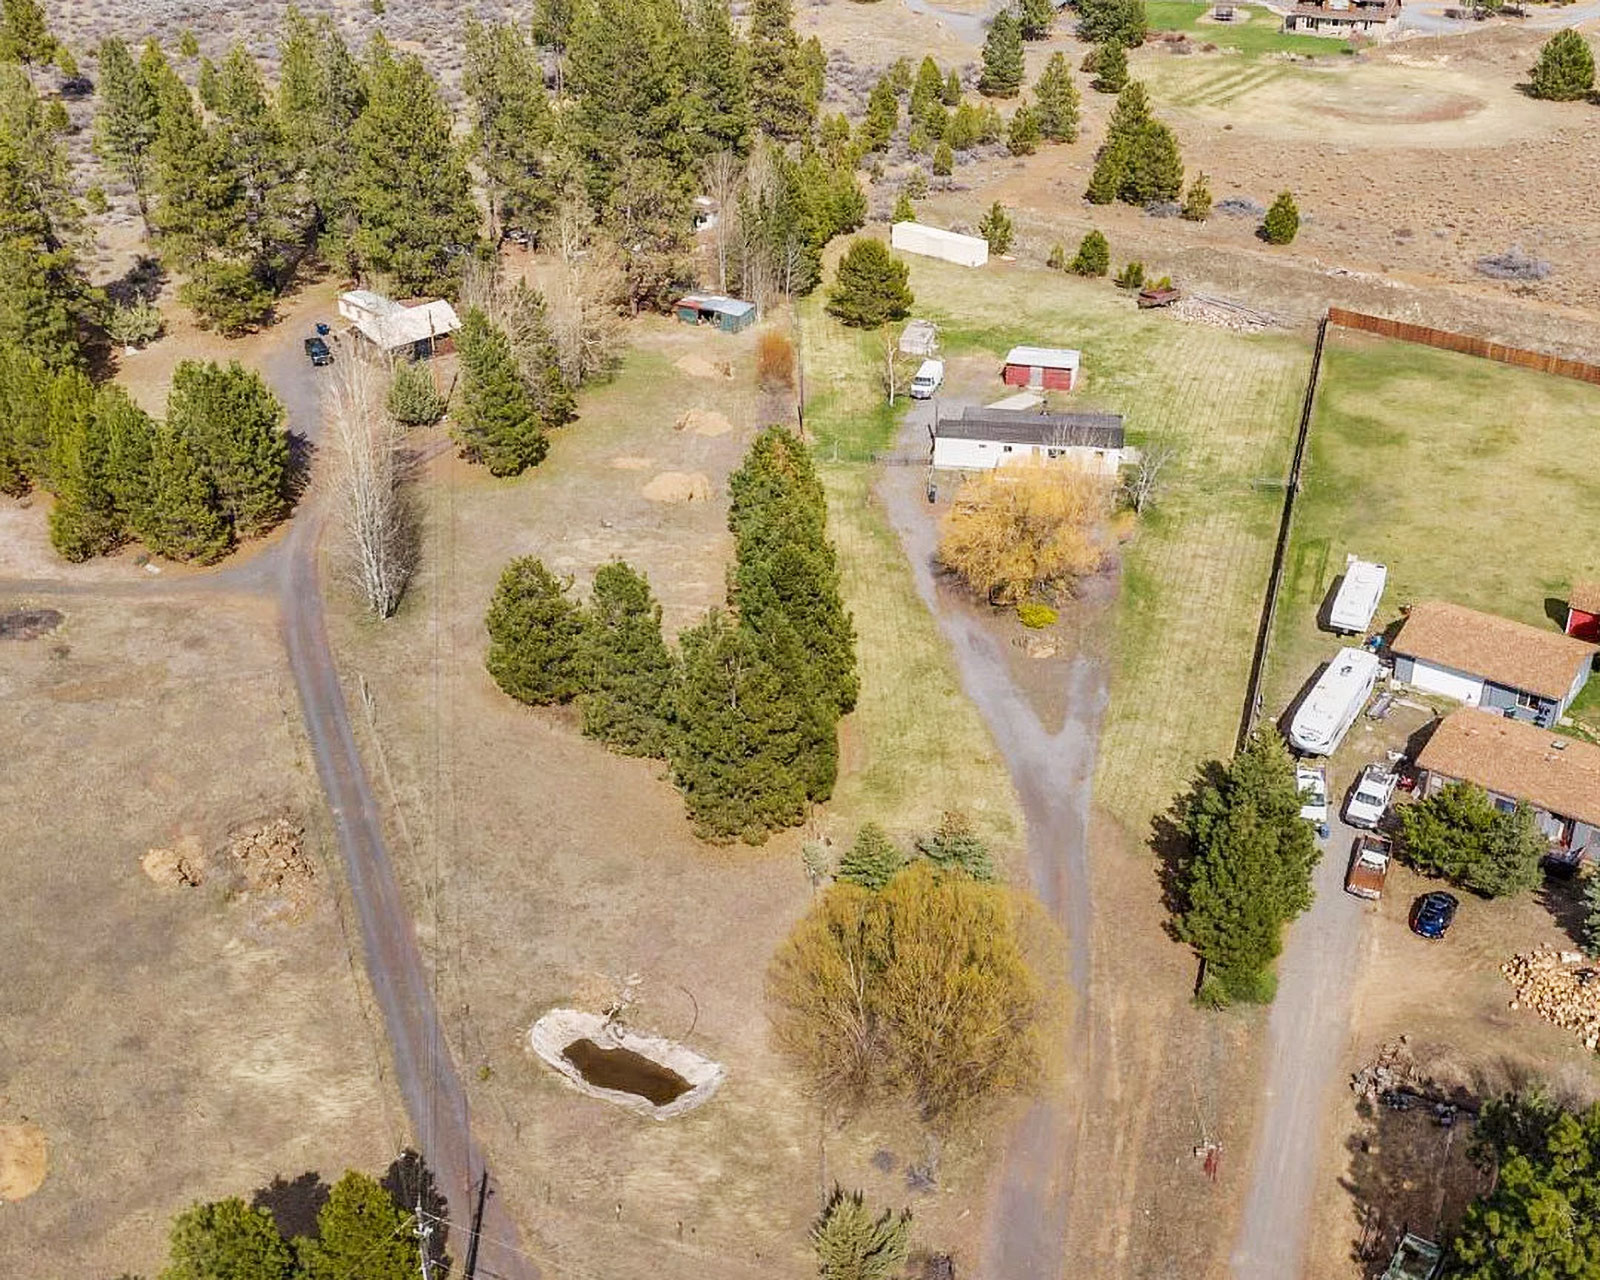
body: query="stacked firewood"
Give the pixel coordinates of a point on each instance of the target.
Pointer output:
(1562, 987)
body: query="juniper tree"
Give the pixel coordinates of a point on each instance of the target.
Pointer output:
(499, 423)
(413, 400)
(927, 90)
(783, 105)
(129, 434)
(996, 227)
(1035, 18)
(870, 286)
(1458, 833)
(360, 1232)
(1197, 202)
(537, 635)
(235, 427)
(1056, 101)
(1565, 69)
(883, 115)
(1282, 222)
(851, 1244)
(628, 698)
(85, 520)
(179, 518)
(125, 125)
(872, 858)
(1002, 57)
(415, 221)
(1022, 138)
(944, 160)
(512, 124)
(952, 88)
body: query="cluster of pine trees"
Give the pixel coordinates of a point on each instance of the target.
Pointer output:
(1139, 161)
(747, 711)
(216, 471)
(873, 858)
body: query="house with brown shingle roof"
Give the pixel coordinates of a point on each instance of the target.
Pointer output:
(1526, 673)
(1519, 763)
(1342, 18)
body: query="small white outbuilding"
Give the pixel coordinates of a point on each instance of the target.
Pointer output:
(936, 242)
(416, 330)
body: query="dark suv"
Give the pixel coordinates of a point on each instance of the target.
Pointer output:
(317, 352)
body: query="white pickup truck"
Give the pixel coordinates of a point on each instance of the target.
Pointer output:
(1370, 799)
(1312, 780)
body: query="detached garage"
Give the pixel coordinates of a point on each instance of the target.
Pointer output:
(1042, 368)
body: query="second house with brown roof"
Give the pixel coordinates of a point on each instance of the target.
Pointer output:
(1523, 672)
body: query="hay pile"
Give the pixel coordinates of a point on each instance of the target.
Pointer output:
(700, 367)
(704, 422)
(182, 865)
(24, 1157)
(678, 486)
(1562, 987)
(271, 860)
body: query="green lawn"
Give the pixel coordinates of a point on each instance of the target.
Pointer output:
(1473, 481)
(1193, 573)
(1254, 32)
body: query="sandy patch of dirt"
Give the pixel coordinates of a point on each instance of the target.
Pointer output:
(704, 422)
(697, 366)
(678, 486)
(180, 865)
(632, 462)
(24, 1157)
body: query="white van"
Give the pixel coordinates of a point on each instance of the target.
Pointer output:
(930, 377)
(1334, 702)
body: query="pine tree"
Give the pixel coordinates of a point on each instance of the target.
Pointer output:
(853, 1245)
(953, 846)
(995, 227)
(129, 434)
(1282, 222)
(321, 94)
(1110, 68)
(1056, 101)
(26, 383)
(813, 74)
(1154, 169)
(234, 426)
(944, 160)
(1197, 203)
(499, 423)
(179, 518)
(199, 209)
(1022, 138)
(903, 210)
(25, 36)
(1002, 57)
(360, 1232)
(781, 101)
(512, 124)
(739, 753)
(1565, 69)
(415, 220)
(1093, 257)
(85, 520)
(249, 131)
(537, 636)
(927, 90)
(1108, 21)
(870, 286)
(188, 45)
(719, 79)
(627, 703)
(227, 1240)
(413, 400)
(1035, 18)
(883, 115)
(952, 88)
(872, 860)
(125, 125)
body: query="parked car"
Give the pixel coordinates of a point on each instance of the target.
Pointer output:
(1369, 801)
(929, 378)
(1312, 779)
(1432, 913)
(1369, 867)
(317, 352)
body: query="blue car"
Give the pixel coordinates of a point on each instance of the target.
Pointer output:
(1432, 913)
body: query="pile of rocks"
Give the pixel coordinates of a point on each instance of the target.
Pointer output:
(1223, 314)
(1393, 1070)
(1562, 987)
(271, 858)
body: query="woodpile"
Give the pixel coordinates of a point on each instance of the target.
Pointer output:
(1393, 1069)
(1562, 987)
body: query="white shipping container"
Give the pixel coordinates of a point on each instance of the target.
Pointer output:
(935, 242)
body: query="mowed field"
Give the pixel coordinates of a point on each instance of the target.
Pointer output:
(172, 1044)
(1473, 481)
(545, 871)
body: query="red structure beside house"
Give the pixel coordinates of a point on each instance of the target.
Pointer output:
(1583, 611)
(1042, 368)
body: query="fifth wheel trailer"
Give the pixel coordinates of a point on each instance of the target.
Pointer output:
(936, 242)
(1334, 702)
(1357, 599)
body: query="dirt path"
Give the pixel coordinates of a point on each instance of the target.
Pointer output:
(1053, 773)
(1307, 1031)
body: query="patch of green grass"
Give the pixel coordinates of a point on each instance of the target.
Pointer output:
(1473, 481)
(1254, 31)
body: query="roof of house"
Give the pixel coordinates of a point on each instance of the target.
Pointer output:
(1517, 759)
(1024, 426)
(720, 303)
(1585, 597)
(1044, 357)
(367, 300)
(404, 325)
(1480, 644)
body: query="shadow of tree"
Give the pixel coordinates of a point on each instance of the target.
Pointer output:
(294, 1205)
(410, 1183)
(1562, 897)
(1169, 841)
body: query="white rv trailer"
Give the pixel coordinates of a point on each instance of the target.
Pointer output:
(1358, 596)
(1334, 702)
(936, 242)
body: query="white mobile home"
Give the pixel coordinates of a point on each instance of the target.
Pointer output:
(983, 439)
(1356, 601)
(1334, 702)
(935, 242)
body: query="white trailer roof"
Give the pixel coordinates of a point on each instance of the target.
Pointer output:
(1044, 357)
(406, 325)
(1327, 706)
(1357, 599)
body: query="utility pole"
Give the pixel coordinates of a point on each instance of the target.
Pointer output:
(424, 1234)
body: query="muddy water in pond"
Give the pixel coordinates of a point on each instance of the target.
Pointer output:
(626, 1071)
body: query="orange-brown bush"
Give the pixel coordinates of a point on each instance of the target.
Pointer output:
(1025, 528)
(775, 359)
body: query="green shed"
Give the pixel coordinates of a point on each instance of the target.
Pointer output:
(728, 314)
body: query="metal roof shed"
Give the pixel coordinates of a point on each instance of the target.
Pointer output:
(725, 313)
(1046, 368)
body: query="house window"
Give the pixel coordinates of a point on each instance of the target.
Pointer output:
(1005, 448)
(1504, 805)
(1528, 701)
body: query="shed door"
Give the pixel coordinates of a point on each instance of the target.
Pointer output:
(1036, 377)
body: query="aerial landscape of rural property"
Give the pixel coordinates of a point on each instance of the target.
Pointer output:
(871, 639)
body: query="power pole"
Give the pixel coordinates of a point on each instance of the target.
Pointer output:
(424, 1234)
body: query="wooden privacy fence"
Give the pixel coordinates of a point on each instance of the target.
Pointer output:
(1422, 334)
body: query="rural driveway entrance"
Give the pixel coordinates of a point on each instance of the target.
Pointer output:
(1306, 1037)
(1053, 774)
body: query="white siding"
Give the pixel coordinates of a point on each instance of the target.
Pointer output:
(1447, 682)
(935, 242)
(952, 454)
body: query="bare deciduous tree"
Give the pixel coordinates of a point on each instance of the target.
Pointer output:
(1144, 480)
(722, 177)
(583, 301)
(367, 476)
(889, 372)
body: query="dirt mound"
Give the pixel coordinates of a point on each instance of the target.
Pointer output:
(24, 1156)
(28, 624)
(704, 422)
(678, 486)
(183, 864)
(631, 462)
(273, 864)
(700, 367)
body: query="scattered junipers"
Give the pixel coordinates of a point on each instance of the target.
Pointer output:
(870, 286)
(747, 712)
(1282, 222)
(1139, 161)
(1242, 867)
(1460, 835)
(1565, 69)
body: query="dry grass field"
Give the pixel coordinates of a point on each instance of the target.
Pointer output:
(172, 1043)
